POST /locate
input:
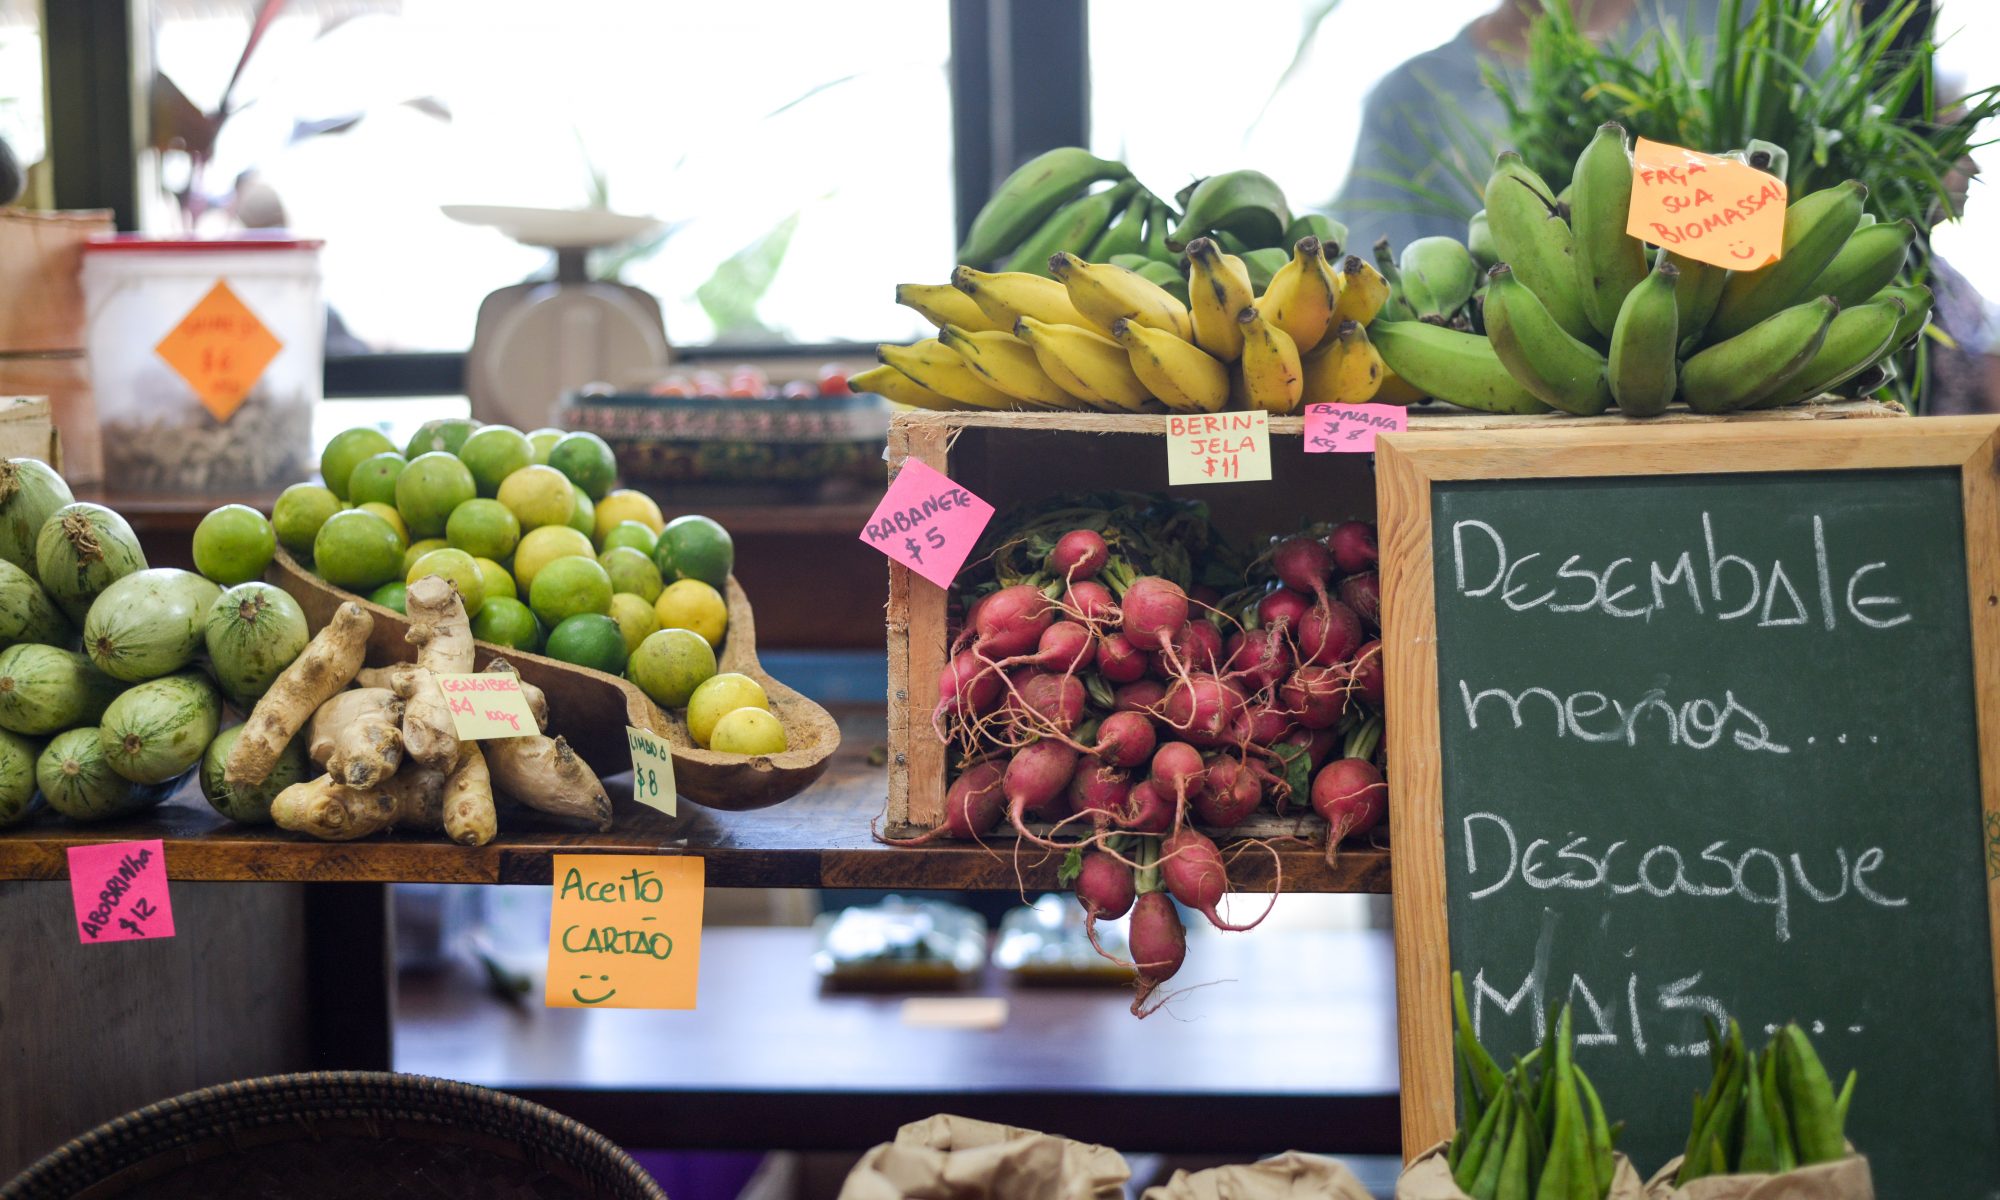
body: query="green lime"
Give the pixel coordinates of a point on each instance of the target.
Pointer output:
(631, 571)
(582, 513)
(429, 488)
(234, 544)
(459, 569)
(695, 547)
(446, 434)
(635, 618)
(716, 698)
(540, 547)
(748, 731)
(493, 452)
(506, 621)
(538, 496)
(633, 534)
(357, 550)
(390, 594)
(669, 665)
(374, 478)
(420, 548)
(692, 604)
(301, 509)
(588, 640)
(544, 440)
(569, 586)
(588, 461)
(348, 449)
(497, 582)
(483, 528)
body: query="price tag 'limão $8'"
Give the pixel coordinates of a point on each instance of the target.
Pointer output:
(652, 771)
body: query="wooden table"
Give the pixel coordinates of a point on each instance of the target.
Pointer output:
(1293, 1045)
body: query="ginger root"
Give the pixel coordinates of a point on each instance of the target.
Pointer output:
(438, 626)
(327, 665)
(330, 812)
(418, 794)
(429, 733)
(538, 702)
(469, 816)
(545, 774)
(378, 677)
(358, 737)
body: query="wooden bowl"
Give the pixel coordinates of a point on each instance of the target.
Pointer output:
(591, 708)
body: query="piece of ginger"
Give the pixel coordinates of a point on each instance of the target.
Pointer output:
(439, 628)
(315, 676)
(358, 737)
(328, 811)
(469, 815)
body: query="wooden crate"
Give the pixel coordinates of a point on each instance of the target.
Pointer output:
(1008, 458)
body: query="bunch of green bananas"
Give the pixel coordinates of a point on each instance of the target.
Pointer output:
(1053, 204)
(1101, 336)
(1574, 314)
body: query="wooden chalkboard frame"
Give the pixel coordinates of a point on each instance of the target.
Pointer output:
(1407, 467)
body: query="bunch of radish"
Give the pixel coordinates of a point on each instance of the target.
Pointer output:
(1122, 686)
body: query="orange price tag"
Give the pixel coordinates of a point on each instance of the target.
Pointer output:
(221, 349)
(625, 931)
(1705, 207)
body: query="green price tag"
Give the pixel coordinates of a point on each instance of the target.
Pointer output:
(652, 771)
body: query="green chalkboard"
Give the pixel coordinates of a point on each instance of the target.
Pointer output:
(1709, 746)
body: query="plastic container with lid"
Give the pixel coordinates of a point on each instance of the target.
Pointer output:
(206, 359)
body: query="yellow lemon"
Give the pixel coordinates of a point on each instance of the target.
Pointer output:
(717, 697)
(628, 505)
(538, 496)
(635, 618)
(692, 604)
(540, 547)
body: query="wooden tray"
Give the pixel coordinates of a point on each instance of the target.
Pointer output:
(591, 708)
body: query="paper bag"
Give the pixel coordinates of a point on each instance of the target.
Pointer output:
(41, 278)
(1289, 1176)
(1844, 1179)
(957, 1158)
(1429, 1178)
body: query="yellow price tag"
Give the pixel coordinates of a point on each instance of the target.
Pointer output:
(488, 706)
(1229, 447)
(652, 771)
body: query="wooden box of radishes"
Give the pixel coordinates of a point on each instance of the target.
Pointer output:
(1147, 682)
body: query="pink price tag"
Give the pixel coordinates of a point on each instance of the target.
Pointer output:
(120, 890)
(927, 522)
(1351, 428)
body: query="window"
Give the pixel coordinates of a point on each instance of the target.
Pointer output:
(21, 124)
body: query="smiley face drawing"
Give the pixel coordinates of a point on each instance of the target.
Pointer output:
(577, 995)
(1741, 250)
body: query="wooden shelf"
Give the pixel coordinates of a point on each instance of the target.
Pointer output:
(820, 839)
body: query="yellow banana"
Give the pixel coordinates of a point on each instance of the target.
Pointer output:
(942, 304)
(1086, 364)
(1363, 292)
(891, 384)
(1345, 369)
(1272, 378)
(1105, 293)
(1178, 373)
(934, 366)
(1301, 296)
(1007, 296)
(1007, 363)
(1218, 289)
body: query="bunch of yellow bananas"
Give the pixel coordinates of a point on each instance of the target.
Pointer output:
(1100, 337)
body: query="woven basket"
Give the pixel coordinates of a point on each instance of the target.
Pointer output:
(338, 1135)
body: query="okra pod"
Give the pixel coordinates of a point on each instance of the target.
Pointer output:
(1815, 1123)
(1601, 1160)
(1759, 1152)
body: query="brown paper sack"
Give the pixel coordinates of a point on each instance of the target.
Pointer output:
(1429, 1178)
(1844, 1179)
(957, 1158)
(1289, 1176)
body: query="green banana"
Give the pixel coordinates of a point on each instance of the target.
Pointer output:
(1562, 371)
(1479, 240)
(1641, 367)
(1609, 262)
(1438, 276)
(1126, 234)
(1696, 292)
(1816, 227)
(1248, 204)
(1458, 368)
(1739, 371)
(1263, 264)
(1869, 262)
(1026, 198)
(1855, 339)
(1159, 221)
(1397, 307)
(1073, 227)
(1532, 238)
(1332, 234)
(1916, 300)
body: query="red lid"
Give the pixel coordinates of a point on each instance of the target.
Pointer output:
(154, 243)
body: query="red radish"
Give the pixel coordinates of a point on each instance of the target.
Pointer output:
(1079, 554)
(1010, 621)
(1350, 794)
(1053, 700)
(1177, 770)
(972, 806)
(1201, 708)
(1302, 564)
(1036, 777)
(1088, 600)
(967, 686)
(1317, 696)
(1367, 671)
(1282, 608)
(1159, 945)
(1353, 546)
(1363, 594)
(1197, 647)
(1232, 794)
(1260, 724)
(1125, 739)
(1329, 633)
(1192, 869)
(1118, 660)
(1261, 658)
(1318, 743)
(1144, 696)
(1097, 788)
(1065, 648)
(1104, 886)
(1146, 810)
(1154, 611)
